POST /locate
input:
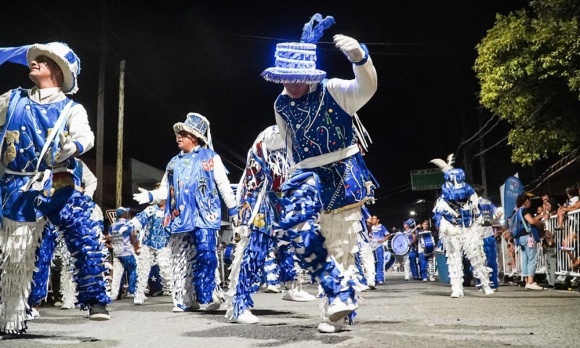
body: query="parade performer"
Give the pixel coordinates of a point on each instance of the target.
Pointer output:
(455, 213)
(322, 198)
(488, 216)
(258, 209)
(365, 256)
(154, 239)
(125, 244)
(426, 257)
(379, 234)
(410, 258)
(190, 186)
(42, 131)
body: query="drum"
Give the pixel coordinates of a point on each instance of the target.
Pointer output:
(398, 244)
(229, 254)
(427, 242)
(389, 260)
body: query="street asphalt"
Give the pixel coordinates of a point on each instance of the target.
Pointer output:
(397, 314)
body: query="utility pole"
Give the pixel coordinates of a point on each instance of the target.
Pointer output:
(482, 156)
(101, 107)
(119, 183)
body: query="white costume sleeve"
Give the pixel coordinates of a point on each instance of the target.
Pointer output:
(351, 95)
(79, 128)
(223, 183)
(89, 180)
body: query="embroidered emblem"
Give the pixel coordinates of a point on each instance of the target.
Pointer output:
(207, 165)
(11, 138)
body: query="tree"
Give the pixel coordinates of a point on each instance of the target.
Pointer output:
(528, 66)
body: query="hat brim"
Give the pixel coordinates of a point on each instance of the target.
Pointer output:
(69, 85)
(180, 126)
(277, 76)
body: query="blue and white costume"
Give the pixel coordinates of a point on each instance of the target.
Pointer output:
(192, 185)
(379, 233)
(454, 214)
(426, 260)
(410, 258)
(329, 181)
(32, 188)
(154, 250)
(121, 235)
(365, 256)
(489, 213)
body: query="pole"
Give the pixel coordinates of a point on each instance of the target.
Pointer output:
(482, 156)
(119, 182)
(101, 109)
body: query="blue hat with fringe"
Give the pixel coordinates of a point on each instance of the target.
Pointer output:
(296, 61)
(410, 222)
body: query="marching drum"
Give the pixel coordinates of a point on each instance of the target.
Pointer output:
(427, 242)
(398, 245)
(229, 254)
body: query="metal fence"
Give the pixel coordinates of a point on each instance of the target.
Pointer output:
(509, 256)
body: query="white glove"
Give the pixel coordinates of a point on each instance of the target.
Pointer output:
(142, 197)
(350, 47)
(67, 148)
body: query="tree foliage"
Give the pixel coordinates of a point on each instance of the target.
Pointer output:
(528, 66)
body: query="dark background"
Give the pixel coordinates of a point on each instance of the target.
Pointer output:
(207, 56)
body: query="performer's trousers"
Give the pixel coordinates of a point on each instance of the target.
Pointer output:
(194, 267)
(148, 258)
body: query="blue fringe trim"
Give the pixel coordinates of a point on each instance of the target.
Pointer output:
(44, 254)
(205, 264)
(81, 234)
(251, 270)
(286, 261)
(453, 194)
(358, 263)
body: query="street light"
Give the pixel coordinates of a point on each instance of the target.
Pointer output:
(412, 213)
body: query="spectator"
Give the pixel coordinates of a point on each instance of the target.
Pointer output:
(573, 203)
(526, 236)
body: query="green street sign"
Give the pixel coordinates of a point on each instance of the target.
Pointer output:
(426, 179)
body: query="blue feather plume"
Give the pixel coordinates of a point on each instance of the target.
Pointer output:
(311, 33)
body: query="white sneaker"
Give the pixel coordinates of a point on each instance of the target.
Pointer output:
(139, 299)
(327, 327)
(246, 318)
(212, 307)
(297, 295)
(338, 310)
(487, 289)
(58, 304)
(431, 278)
(182, 308)
(534, 286)
(272, 289)
(457, 294)
(561, 278)
(424, 279)
(33, 314)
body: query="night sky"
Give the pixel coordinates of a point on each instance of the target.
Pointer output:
(207, 56)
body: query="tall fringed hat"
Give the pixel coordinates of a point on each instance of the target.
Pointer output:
(410, 222)
(454, 187)
(197, 125)
(64, 57)
(296, 61)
